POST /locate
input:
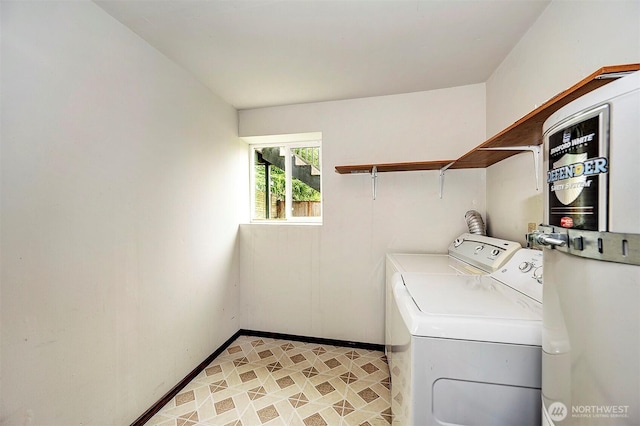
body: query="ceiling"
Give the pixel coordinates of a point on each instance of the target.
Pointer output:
(257, 53)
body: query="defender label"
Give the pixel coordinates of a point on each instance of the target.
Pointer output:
(575, 168)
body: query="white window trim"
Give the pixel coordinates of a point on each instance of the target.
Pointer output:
(288, 143)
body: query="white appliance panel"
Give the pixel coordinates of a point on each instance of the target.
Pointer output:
(486, 253)
(432, 263)
(527, 277)
(468, 296)
(493, 404)
(591, 337)
(591, 320)
(464, 382)
(467, 308)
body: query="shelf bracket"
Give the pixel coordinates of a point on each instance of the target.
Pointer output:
(442, 170)
(533, 149)
(374, 181)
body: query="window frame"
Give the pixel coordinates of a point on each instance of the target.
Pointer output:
(288, 146)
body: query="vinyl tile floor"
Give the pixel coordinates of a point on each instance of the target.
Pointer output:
(263, 381)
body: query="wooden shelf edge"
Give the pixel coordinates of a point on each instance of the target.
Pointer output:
(528, 129)
(393, 167)
(525, 131)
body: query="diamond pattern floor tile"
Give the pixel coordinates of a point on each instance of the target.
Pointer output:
(262, 381)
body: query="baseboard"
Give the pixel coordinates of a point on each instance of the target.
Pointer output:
(309, 339)
(140, 421)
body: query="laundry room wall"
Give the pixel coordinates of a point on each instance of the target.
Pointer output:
(569, 41)
(328, 281)
(119, 268)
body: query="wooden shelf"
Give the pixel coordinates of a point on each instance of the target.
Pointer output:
(394, 167)
(524, 132)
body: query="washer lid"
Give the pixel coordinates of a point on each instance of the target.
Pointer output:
(432, 264)
(471, 307)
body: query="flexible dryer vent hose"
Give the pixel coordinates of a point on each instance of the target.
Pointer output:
(475, 223)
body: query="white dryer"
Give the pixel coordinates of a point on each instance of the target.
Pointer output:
(465, 349)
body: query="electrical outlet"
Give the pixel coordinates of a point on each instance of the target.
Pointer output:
(531, 226)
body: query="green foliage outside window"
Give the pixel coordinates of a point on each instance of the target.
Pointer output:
(300, 190)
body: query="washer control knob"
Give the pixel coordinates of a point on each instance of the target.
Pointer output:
(479, 249)
(525, 266)
(537, 274)
(495, 252)
(457, 242)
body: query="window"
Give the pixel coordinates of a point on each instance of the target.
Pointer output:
(286, 182)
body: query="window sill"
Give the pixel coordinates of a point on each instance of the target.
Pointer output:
(283, 223)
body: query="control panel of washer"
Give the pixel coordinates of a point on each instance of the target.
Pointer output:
(486, 253)
(523, 272)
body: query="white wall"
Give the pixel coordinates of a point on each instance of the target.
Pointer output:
(328, 281)
(119, 255)
(569, 41)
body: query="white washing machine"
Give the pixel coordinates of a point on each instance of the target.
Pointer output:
(465, 349)
(469, 254)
